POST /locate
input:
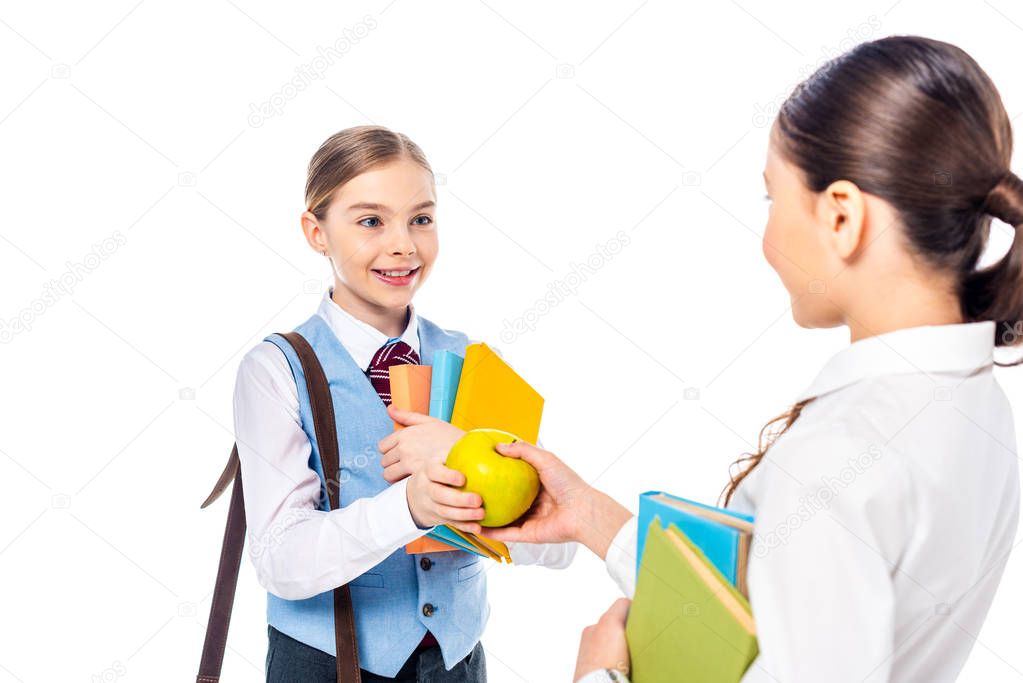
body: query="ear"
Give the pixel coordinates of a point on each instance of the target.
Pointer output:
(314, 234)
(844, 208)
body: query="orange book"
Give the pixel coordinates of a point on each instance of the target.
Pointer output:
(425, 544)
(410, 388)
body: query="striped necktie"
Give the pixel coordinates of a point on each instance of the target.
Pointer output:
(396, 353)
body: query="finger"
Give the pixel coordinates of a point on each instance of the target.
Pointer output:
(395, 473)
(407, 417)
(437, 472)
(528, 452)
(446, 495)
(388, 459)
(388, 442)
(459, 514)
(467, 527)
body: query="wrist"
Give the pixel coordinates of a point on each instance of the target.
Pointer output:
(599, 520)
(409, 498)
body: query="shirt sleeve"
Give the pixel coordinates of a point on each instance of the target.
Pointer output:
(825, 549)
(550, 555)
(298, 550)
(621, 557)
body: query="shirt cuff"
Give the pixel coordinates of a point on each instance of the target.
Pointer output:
(621, 557)
(602, 676)
(395, 526)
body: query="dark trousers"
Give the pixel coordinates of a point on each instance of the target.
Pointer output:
(291, 661)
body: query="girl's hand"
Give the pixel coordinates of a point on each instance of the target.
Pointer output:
(567, 508)
(433, 501)
(424, 439)
(603, 645)
(554, 516)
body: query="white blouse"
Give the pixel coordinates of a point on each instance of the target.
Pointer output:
(299, 551)
(884, 516)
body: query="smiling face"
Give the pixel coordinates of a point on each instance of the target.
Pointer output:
(796, 242)
(381, 234)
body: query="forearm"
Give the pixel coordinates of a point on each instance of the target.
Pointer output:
(304, 552)
(297, 549)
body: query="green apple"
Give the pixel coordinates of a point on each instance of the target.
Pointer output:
(508, 486)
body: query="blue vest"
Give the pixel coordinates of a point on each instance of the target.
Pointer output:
(388, 600)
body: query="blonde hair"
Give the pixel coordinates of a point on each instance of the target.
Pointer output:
(350, 152)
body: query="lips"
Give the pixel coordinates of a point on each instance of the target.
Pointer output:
(396, 277)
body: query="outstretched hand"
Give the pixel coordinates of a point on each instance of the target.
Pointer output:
(553, 517)
(566, 509)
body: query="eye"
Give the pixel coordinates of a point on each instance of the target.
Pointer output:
(422, 219)
(370, 222)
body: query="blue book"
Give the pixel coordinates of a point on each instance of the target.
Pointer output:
(723, 535)
(445, 376)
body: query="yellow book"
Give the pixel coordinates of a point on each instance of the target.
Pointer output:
(493, 396)
(496, 549)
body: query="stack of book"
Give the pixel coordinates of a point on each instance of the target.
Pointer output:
(476, 392)
(690, 618)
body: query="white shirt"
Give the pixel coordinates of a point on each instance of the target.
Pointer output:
(884, 516)
(299, 551)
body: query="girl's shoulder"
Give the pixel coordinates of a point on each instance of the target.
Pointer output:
(264, 374)
(265, 360)
(841, 458)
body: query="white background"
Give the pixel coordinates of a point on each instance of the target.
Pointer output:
(556, 127)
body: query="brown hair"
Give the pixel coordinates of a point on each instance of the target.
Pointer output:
(769, 433)
(350, 152)
(919, 124)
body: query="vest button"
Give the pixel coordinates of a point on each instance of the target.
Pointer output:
(425, 563)
(427, 610)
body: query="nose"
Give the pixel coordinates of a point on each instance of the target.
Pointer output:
(400, 241)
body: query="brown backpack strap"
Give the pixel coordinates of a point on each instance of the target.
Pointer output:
(326, 438)
(227, 573)
(234, 534)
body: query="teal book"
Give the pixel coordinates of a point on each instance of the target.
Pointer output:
(723, 535)
(447, 373)
(443, 533)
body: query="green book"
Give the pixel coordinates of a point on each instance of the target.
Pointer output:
(687, 622)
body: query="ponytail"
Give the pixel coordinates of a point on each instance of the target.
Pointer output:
(996, 292)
